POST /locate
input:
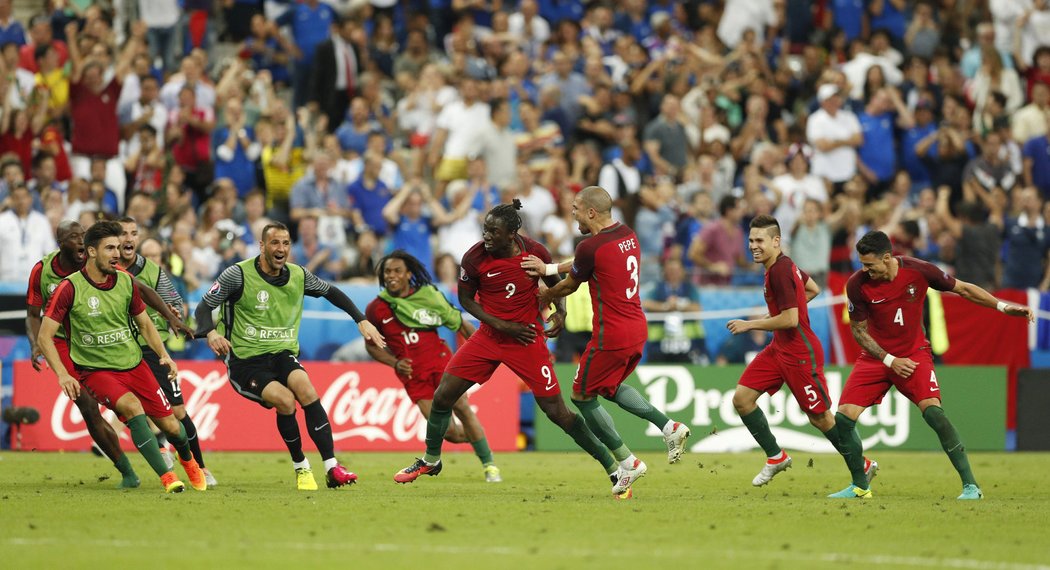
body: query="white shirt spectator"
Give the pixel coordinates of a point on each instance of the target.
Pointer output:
(23, 241)
(793, 195)
(169, 94)
(839, 164)
(1004, 17)
(158, 120)
(159, 13)
(609, 177)
(536, 204)
(740, 15)
(466, 126)
(347, 172)
(501, 155)
(856, 71)
(541, 30)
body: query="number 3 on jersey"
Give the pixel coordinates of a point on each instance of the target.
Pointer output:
(632, 268)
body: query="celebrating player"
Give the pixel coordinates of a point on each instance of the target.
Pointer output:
(511, 333)
(407, 312)
(609, 260)
(262, 305)
(795, 356)
(93, 306)
(885, 308)
(43, 281)
(151, 274)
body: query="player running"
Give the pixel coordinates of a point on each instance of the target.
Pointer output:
(511, 333)
(795, 357)
(93, 305)
(609, 260)
(43, 281)
(262, 304)
(151, 274)
(886, 300)
(407, 312)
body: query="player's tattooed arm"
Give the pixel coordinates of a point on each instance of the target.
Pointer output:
(860, 334)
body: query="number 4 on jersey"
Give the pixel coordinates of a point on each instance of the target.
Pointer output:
(899, 317)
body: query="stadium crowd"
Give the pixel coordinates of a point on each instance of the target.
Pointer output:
(374, 125)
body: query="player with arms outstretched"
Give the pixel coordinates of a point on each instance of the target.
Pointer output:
(886, 300)
(609, 260)
(92, 306)
(795, 357)
(262, 305)
(407, 313)
(511, 333)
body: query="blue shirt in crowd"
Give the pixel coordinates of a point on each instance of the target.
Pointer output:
(370, 202)
(878, 151)
(240, 168)
(310, 27)
(1038, 150)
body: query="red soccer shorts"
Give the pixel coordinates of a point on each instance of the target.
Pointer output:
(421, 385)
(108, 386)
(602, 371)
(479, 357)
(771, 369)
(62, 346)
(870, 380)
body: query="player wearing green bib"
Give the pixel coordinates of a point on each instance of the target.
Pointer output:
(151, 274)
(93, 306)
(262, 304)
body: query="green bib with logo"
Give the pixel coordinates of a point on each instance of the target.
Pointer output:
(149, 275)
(49, 281)
(100, 332)
(266, 318)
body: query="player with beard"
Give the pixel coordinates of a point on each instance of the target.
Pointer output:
(43, 281)
(262, 305)
(151, 274)
(92, 306)
(407, 312)
(609, 260)
(886, 301)
(511, 333)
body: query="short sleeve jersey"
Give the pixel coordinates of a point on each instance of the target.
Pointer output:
(893, 309)
(423, 346)
(505, 291)
(62, 301)
(609, 262)
(785, 288)
(36, 296)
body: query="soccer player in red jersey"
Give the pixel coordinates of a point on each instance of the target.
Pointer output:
(43, 281)
(407, 313)
(885, 308)
(795, 357)
(511, 333)
(93, 307)
(609, 260)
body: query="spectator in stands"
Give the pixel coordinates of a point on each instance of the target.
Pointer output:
(311, 23)
(742, 348)
(835, 134)
(191, 74)
(389, 173)
(622, 179)
(1026, 239)
(499, 149)
(44, 175)
(147, 109)
(459, 127)
(25, 236)
(977, 238)
(353, 132)
(456, 237)
(923, 35)
(188, 136)
(146, 164)
(1037, 161)
(363, 257)
(793, 189)
(11, 30)
(322, 260)
(1030, 121)
(665, 140)
(369, 195)
(674, 337)
(811, 241)
(985, 48)
(719, 248)
(537, 202)
(19, 128)
(877, 154)
(338, 64)
(319, 195)
(571, 85)
(282, 160)
(235, 148)
(267, 50)
(988, 174)
(52, 81)
(40, 34)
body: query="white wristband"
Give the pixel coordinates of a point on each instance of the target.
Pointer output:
(551, 269)
(1001, 307)
(888, 360)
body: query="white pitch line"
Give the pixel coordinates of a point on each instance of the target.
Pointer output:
(830, 557)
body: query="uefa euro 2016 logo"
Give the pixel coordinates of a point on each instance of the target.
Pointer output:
(250, 331)
(88, 339)
(93, 304)
(262, 297)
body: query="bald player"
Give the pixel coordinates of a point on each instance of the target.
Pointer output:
(609, 260)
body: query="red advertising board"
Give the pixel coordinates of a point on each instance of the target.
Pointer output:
(367, 406)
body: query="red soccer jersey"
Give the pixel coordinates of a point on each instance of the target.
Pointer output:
(424, 346)
(785, 288)
(609, 262)
(35, 295)
(893, 309)
(505, 291)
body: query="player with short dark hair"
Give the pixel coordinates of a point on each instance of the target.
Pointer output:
(262, 305)
(152, 274)
(609, 260)
(511, 333)
(407, 312)
(795, 357)
(93, 306)
(886, 300)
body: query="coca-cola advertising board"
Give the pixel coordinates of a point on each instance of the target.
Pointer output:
(366, 403)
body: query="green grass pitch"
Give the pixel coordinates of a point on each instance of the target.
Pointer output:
(552, 511)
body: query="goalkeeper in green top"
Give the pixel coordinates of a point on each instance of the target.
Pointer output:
(408, 312)
(261, 302)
